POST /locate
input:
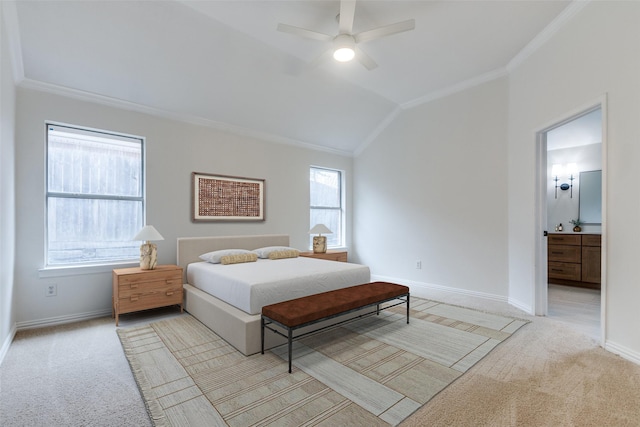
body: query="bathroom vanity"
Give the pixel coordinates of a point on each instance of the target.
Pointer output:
(574, 259)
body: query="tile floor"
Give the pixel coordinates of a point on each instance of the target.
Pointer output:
(577, 307)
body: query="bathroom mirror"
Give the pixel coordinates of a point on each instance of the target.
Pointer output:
(591, 197)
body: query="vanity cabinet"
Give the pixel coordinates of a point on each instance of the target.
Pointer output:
(591, 258)
(574, 259)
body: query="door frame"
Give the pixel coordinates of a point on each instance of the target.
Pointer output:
(541, 183)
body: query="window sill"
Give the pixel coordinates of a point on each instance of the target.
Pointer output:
(77, 270)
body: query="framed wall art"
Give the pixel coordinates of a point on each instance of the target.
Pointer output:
(227, 198)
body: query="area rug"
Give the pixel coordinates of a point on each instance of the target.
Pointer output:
(374, 371)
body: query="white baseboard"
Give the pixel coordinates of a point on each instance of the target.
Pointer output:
(7, 343)
(420, 289)
(59, 320)
(622, 351)
(520, 305)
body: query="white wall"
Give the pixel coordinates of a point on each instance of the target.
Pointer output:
(595, 54)
(173, 151)
(450, 183)
(7, 193)
(564, 208)
(432, 187)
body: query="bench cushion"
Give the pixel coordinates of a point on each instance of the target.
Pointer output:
(307, 309)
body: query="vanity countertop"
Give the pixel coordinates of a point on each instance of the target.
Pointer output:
(573, 232)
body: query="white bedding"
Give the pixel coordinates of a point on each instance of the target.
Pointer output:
(252, 285)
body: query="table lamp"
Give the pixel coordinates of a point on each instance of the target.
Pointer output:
(320, 241)
(148, 251)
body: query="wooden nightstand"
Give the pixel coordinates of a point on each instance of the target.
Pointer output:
(334, 255)
(135, 289)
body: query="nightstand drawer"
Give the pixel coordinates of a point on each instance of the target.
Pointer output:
(566, 271)
(149, 276)
(151, 298)
(144, 286)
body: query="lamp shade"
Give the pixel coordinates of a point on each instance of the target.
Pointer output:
(320, 229)
(147, 233)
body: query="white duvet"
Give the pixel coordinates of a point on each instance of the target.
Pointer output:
(252, 285)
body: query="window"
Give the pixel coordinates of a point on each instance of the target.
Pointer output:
(326, 200)
(94, 200)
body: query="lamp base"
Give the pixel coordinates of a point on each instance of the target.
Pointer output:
(148, 256)
(319, 244)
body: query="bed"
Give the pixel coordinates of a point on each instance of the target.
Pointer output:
(232, 310)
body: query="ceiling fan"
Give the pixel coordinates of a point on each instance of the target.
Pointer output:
(344, 45)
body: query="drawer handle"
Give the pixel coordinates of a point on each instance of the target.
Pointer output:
(169, 293)
(557, 253)
(134, 298)
(134, 286)
(555, 269)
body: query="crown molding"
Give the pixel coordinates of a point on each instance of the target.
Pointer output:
(547, 33)
(10, 19)
(185, 118)
(458, 87)
(462, 86)
(377, 131)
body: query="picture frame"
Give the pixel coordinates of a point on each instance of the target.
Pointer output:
(226, 198)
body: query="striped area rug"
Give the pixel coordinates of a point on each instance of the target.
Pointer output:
(372, 372)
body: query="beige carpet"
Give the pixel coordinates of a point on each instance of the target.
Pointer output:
(546, 376)
(376, 371)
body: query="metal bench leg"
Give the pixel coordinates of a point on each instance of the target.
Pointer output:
(408, 309)
(290, 345)
(262, 333)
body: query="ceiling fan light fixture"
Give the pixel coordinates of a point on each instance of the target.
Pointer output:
(344, 48)
(344, 44)
(344, 54)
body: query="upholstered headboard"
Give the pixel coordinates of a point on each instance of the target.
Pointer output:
(190, 248)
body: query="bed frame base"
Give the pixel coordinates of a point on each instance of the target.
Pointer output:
(238, 328)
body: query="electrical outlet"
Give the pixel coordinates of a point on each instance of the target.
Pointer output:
(418, 265)
(51, 290)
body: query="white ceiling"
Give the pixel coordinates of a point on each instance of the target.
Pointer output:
(583, 130)
(224, 64)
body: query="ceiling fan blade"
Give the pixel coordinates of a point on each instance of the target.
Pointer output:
(323, 57)
(387, 30)
(347, 13)
(308, 34)
(365, 60)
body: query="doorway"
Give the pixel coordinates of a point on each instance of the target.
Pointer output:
(569, 278)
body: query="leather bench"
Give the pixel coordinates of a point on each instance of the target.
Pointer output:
(300, 312)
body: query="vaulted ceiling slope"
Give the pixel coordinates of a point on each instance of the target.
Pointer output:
(224, 64)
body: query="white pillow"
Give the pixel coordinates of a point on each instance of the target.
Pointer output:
(264, 252)
(215, 256)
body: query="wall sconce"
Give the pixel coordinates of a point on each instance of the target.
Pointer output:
(557, 170)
